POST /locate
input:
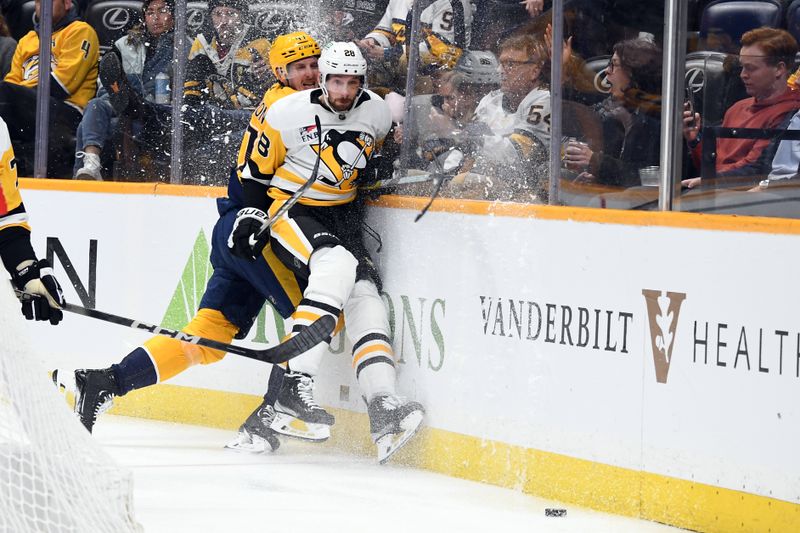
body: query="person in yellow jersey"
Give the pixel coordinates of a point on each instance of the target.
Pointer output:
(73, 83)
(320, 237)
(27, 274)
(235, 294)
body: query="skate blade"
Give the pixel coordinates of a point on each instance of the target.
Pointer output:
(389, 444)
(244, 443)
(296, 428)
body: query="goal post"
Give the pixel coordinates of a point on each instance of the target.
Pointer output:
(53, 476)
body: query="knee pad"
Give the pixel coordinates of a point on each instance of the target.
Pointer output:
(364, 312)
(333, 274)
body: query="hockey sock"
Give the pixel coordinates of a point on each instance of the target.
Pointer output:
(376, 378)
(135, 371)
(368, 330)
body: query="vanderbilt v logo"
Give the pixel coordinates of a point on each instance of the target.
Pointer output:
(663, 312)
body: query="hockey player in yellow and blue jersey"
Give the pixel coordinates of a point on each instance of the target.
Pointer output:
(236, 292)
(29, 275)
(320, 237)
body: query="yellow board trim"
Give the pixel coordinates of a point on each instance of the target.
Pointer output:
(746, 224)
(579, 482)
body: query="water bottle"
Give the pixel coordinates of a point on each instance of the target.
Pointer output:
(162, 88)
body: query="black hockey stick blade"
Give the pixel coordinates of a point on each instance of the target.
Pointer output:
(306, 339)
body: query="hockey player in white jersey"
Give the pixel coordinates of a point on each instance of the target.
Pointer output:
(445, 32)
(320, 237)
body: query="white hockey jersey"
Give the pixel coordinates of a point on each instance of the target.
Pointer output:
(516, 133)
(445, 29)
(288, 146)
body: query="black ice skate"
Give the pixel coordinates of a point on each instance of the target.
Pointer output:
(256, 435)
(393, 420)
(297, 414)
(94, 393)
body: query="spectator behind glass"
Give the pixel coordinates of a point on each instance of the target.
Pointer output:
(349, 20)
(516, 119)
(766, 57)
(7, 46)
(74, 82)
(226, 76)
(144, 53)
(446, 33)
(630, 116)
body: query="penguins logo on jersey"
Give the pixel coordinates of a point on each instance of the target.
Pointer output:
(344, 153)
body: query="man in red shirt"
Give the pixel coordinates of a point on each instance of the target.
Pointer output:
(766, 57)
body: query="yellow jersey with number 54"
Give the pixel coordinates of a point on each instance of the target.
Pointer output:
(12, 212)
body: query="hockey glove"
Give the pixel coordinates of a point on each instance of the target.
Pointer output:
(45, 297)
(250, 234)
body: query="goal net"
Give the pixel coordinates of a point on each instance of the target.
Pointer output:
(53, 476)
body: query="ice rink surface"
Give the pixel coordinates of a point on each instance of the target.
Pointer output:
(185, 481)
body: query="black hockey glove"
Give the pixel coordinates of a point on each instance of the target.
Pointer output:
(378, 168)
(44, 298)
(249, 235)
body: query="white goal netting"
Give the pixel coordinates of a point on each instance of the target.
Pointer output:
(53, 476)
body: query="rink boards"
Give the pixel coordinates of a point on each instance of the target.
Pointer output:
(646, 364)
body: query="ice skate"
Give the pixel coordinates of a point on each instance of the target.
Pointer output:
(256, 435)
(297, 414)
(94, 394)
(393, 420)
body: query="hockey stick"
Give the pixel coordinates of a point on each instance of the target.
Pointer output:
(282, 210)
(306, 339)
(399, 180)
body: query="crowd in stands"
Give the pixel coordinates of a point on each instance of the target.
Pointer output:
(481, 103)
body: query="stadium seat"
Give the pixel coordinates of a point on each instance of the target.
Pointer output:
(712, 79)
(274, 18)
(112, 19)
(596, 68)
(196, 14)
(20, 19)
(793, 19)
(725, 21)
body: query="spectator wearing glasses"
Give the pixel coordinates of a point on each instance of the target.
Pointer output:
(516, 119)
(144, 53)
(766, 57)
(631, 118)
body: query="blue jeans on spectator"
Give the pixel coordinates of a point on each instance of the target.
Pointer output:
(99, 122)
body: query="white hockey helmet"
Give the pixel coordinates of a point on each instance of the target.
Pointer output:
(342, 58)
(480, 67)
